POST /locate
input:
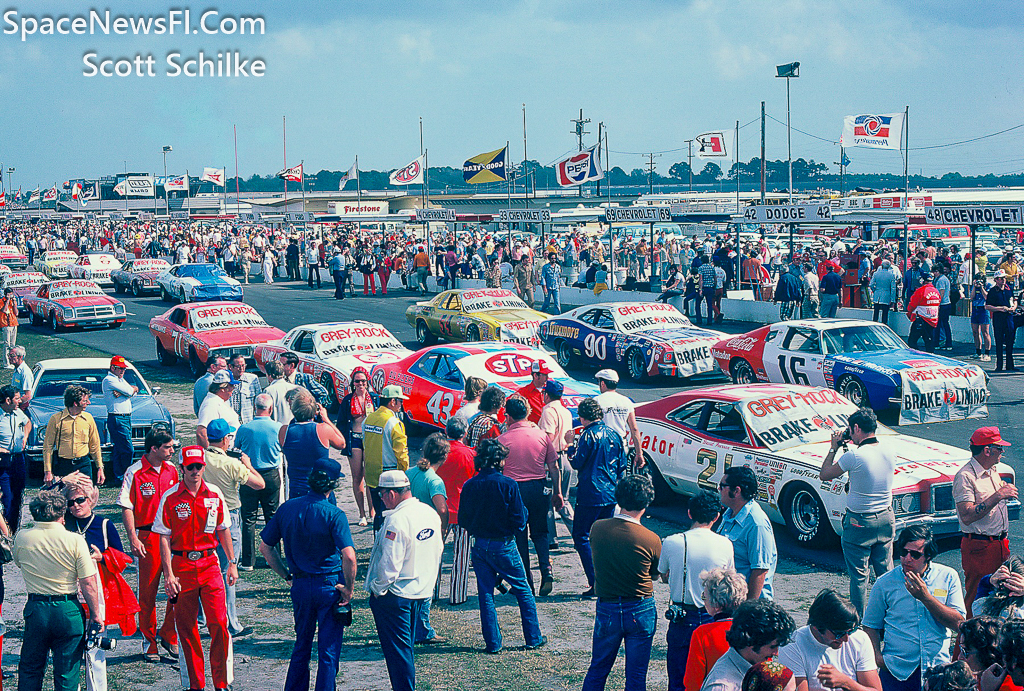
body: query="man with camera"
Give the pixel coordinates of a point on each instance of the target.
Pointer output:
(869, 524)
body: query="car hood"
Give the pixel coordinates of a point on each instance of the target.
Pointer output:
(366, 358)
(503, 316)
(236, 336)
(86, 301)
(683, 334)
(896, 360)
(143, 408)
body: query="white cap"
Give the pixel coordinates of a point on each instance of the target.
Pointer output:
(608, 375)
(393, 479)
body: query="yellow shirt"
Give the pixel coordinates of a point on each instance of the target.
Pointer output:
(227, 474)
(52, 559)
(72, 436)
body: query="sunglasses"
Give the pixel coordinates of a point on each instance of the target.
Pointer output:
(840, 634)
(912, 553)
(358, 381)
(79, 500)
(998, 449)
(193, 467)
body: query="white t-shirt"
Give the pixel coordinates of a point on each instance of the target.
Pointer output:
(215, 408)
(870, 468)
(467, 411)
(704, 550)
(616, 409)
(804, 655)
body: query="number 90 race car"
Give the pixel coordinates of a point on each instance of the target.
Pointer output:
(492, 314)
(783, 432)
(865, 361)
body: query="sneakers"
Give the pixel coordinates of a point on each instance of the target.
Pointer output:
(244, 567)
(362, 521)
(986, 358)
(566, 512)
(170, 648)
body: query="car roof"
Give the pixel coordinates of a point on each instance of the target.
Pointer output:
(192, 306)
(76, 363)
(478, 348)
(731, 393)
(822, 324)
(318, 326)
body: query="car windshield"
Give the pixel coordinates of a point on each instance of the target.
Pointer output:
(202, 271)
(491, 300)
(862, 338)
(53, 382)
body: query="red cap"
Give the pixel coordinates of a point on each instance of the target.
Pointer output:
(540, 367)
(983, 436)
(118, 361)
(193, 454)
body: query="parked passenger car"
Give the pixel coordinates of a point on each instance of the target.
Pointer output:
(74, 303)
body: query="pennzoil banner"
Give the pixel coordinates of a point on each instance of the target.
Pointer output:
(933, 393)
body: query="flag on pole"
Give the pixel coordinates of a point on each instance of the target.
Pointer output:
(293, 174)
(33, 196)
(579, 168)
(51, 194)
(176, 182)
(486, 167)
(352, 174)
(76, 191)
(90, 190)
(412, 174)
(712, 145)
(3, 200)
(121, 187)
(873, 131)
(845, 160)
(214, 175)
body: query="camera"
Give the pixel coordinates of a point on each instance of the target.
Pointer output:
(846, 436)
(234, 453)
(93, 639)
(675, 613)
(342, 611)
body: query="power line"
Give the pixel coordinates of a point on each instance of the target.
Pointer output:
(968, 141)
(666, 151)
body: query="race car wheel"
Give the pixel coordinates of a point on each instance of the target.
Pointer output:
(164, 295)
(53, 322)
(662, 491)
(854, 390)
(327, 381)
(163, 356)
(137, 289)
(184, 296)
(37, 320)
(563, 353)
(472, 334)
(118, 288)
(806, 517)
(636, 365)
(743, 373)
(195, 364)
(423, 334)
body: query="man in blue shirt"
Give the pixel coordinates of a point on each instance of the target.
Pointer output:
(917, 607)
(746, 524)
(15, 428)
(259, 439)
(831, 292)
(202, 386)
(943, 285)
(549, 283)
(321, 568)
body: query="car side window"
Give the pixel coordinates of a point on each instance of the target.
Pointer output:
(43, 292)
(426, 364)
(804, 341)
(603, 320)
(724, 421)
(454, 303)
(447, 372)
(689, 414)
(590, 317)
(178, 317)
(304, 343)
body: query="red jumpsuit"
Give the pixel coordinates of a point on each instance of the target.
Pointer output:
(533, 396)
(140, 493)
(192, 522)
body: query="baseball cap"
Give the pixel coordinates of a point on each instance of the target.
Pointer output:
(118, 361)
(608, 375)
(540, 367)
(218, 429)
(193, 454)
(983, 436)
(1000, 274)
(394, 391)
(554, 388)
(327, 466)
(225, 376)
(393, 479)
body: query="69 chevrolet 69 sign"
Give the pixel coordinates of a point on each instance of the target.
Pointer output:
(783, 432)
(330, 351)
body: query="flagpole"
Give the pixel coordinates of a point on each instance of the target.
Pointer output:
(188, 193)
(426, 191)
(284, 140)
(611, 239)
(359, 200)
(302, 171)
(237, 193)
(906, 188)
(736, 155)
(508, 186)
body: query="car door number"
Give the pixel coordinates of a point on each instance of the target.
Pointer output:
(440, 407)
(596, 346)
(793, 376)
(710, 457)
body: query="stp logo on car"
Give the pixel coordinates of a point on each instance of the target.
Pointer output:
(509, 365)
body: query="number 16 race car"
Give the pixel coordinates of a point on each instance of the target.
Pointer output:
(865, 361)
(783, 432)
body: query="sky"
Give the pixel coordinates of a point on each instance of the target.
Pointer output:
(355, 78)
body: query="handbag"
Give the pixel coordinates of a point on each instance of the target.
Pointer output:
(6, 549)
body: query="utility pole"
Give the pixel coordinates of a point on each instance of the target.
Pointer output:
(762, 153)
(580, 132)
(689, 160)
(600, 130)
(650, 172)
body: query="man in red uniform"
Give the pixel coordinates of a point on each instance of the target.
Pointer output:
(192, 519)
(533, 392)
(145, 482)
(923, 313)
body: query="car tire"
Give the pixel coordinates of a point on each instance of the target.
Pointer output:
(183, 298)
(742, 372)
(327, 381)
(472, 334)
(37, 320)
(54, 325)
(164, 356)
(806, 517)
(563, 353)
(423, 334)
(662, 490)
(136, 289)
(853, 388)
(635, 365)
(194, 364)
(164, 295)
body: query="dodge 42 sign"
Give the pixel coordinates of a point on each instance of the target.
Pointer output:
(787, 213)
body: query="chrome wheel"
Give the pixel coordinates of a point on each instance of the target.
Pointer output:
(743, 373)
(852, 388)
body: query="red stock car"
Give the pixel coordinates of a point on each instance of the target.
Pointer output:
(12, 257)
(74, 303)
(22, 283)
(195, 331)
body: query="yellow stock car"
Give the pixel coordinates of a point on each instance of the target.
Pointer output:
(492, 314)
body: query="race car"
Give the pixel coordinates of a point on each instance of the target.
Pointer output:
(783, 432)
(138, 276)
(22, 283)
(73, 303)
(51, 377)
(55, 263)
(330, 351)
(94, 267)
(195, 282)
(195, 332)
(865, 361)
(434, 378)
(643, 338)
(491, 314)
(12, 258)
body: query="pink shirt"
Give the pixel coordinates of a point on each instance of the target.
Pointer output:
(529, 452)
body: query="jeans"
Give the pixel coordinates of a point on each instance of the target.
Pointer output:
(809, 308)
(499, 558)
(1003, 334)
(829, 305)
(12, 488)
(339, 285)
(707, 296)
(551, 298)
(236, 545)
(678, 641)
(313, 271)
(581, 524)
(394, 617)
(891, 683)
(252, 500)
(867, 543)
(119, 432)
(421, 278)
(943, 327)
(632, 622)
(313, 599)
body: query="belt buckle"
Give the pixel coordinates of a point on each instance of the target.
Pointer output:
(194, 555)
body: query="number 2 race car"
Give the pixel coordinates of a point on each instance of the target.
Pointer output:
(492, 314)
(865, 361)
(644, 338)
(783, 432)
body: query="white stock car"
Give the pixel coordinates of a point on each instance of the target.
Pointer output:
(95, 268)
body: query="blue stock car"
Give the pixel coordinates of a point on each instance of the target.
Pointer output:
(196, 283)
(645, 339)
